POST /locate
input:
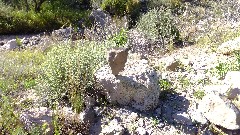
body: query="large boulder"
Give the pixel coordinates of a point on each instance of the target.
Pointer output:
(232, 78)
(219, 104)
(10, 45)
(100, 18)
(102, 25)
(220, 111)
(136, 86)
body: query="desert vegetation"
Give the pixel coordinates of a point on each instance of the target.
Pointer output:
(62, 73)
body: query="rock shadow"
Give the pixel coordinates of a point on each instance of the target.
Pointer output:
(171, 112)
(174, 112)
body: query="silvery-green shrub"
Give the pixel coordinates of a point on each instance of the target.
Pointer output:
(158, 24)
(69, 71)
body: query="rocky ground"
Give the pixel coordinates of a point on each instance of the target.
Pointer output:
(193, 99)
(180, 110)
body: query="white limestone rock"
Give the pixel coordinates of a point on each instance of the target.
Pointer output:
(10, 45)
(137, 86)
(220, 111)
(232, 78)
(196, 114)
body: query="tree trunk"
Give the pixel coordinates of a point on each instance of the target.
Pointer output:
(27, 5)
(38, 5)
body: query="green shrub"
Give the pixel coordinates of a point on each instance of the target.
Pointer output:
(25, 22)
(165, 84)
(158, 24)
(5, 13)
(9, 119)
(166, 88)
(222, 69)
(49, 18)
(121, 7)
(5, 10)
(199, 94)
(69, 71)
(237, 55)
(19, 69)
(184, 82)
(120, 38)
(128, 8)
(175, 5)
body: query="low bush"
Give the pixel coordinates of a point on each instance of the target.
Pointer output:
(199, 94)
(166, 88)
(223, 68)
(121, 7)
(120, 38)
(18, 71)
(158, 25)
(69, 71)
(165, 84)
(9, 120)
(174, 5)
